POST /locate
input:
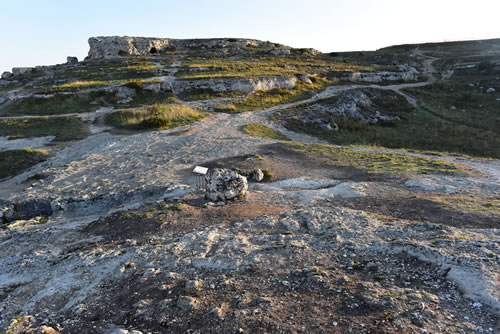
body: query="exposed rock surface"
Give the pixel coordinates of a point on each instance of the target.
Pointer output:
(224, 184)
(7, 75)
(71, 60)
(113, 46)
(21, 70)
(244, 85)
(355, 104)
(406, 73)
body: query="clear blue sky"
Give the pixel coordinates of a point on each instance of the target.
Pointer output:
(43, 32)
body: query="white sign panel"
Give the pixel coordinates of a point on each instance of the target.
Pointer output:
(200, 170)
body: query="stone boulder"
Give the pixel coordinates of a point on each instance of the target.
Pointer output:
(244, 85)
(152, 87)
(124, 92)
(304, 78)
(21, 70)
(2, 100)
(7, 75)
(7, 83)
(71, 60)
(258, 175)
(224, 184)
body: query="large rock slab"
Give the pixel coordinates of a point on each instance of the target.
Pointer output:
(116, 46)
(21, 70)
(244, 85)
(224, 184)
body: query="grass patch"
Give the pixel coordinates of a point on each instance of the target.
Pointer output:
(265, 99)
(64, 128)
(467, 204)
(16, 161)
(157, 117)
(262, 65)
(59, 104)
(259, 130)
(205, 94)
(417, 130)
(107, 69)
(375, 162)
(456, 102)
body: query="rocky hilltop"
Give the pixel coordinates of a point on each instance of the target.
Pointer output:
(331, 202)
(120, 46)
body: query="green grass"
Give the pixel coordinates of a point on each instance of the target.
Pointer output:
(205, 94)
(259, 130)
(472, 108)
(81, 103)
(266, 99)
(261, 65)
(375, 162)
(157, 117)
(59, 104)
(468, 204)
(108, 69)
(16, 161)
(64, 128)
(418, 129)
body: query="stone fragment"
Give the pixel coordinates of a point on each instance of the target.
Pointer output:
(71, 60)
(225, 184)
(304, 78)
(125, 92)
(7, 75)
(21, 70)
(187, 303)
(258, 175)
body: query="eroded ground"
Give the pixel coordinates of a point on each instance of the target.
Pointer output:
(340, 239)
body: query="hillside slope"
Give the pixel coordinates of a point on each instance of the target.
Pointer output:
(379, 212)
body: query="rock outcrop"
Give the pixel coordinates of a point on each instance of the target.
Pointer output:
(7, 75)
(21, 70)
(406, 73)
(225, 184)
(244, 85)
(358, 104)
(115, 46)
(71, 60)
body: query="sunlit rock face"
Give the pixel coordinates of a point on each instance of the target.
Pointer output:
(121, 46)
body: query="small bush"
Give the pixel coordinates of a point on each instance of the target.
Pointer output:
(158, 117)
(259, 130)
(267, 174)
(137, 85)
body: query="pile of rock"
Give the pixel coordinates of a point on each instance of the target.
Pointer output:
(224, 184)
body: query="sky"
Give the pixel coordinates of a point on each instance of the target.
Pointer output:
(45, 32)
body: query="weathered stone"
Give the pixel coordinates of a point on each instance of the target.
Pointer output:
(280, 52)
(258, 175)
(72, 60)
(47, 330)
(125, 92)
(33, 208)
(244, 85)
(2, 100)
(7, 75)
(6, 83)
(116, 46)
(153, 87)
(193, 287)
(21, 70)
(125, 101)
(304, 78)
(491, 90)
(225, 184)
(7, 213)
(187, 303)
(375, 77)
